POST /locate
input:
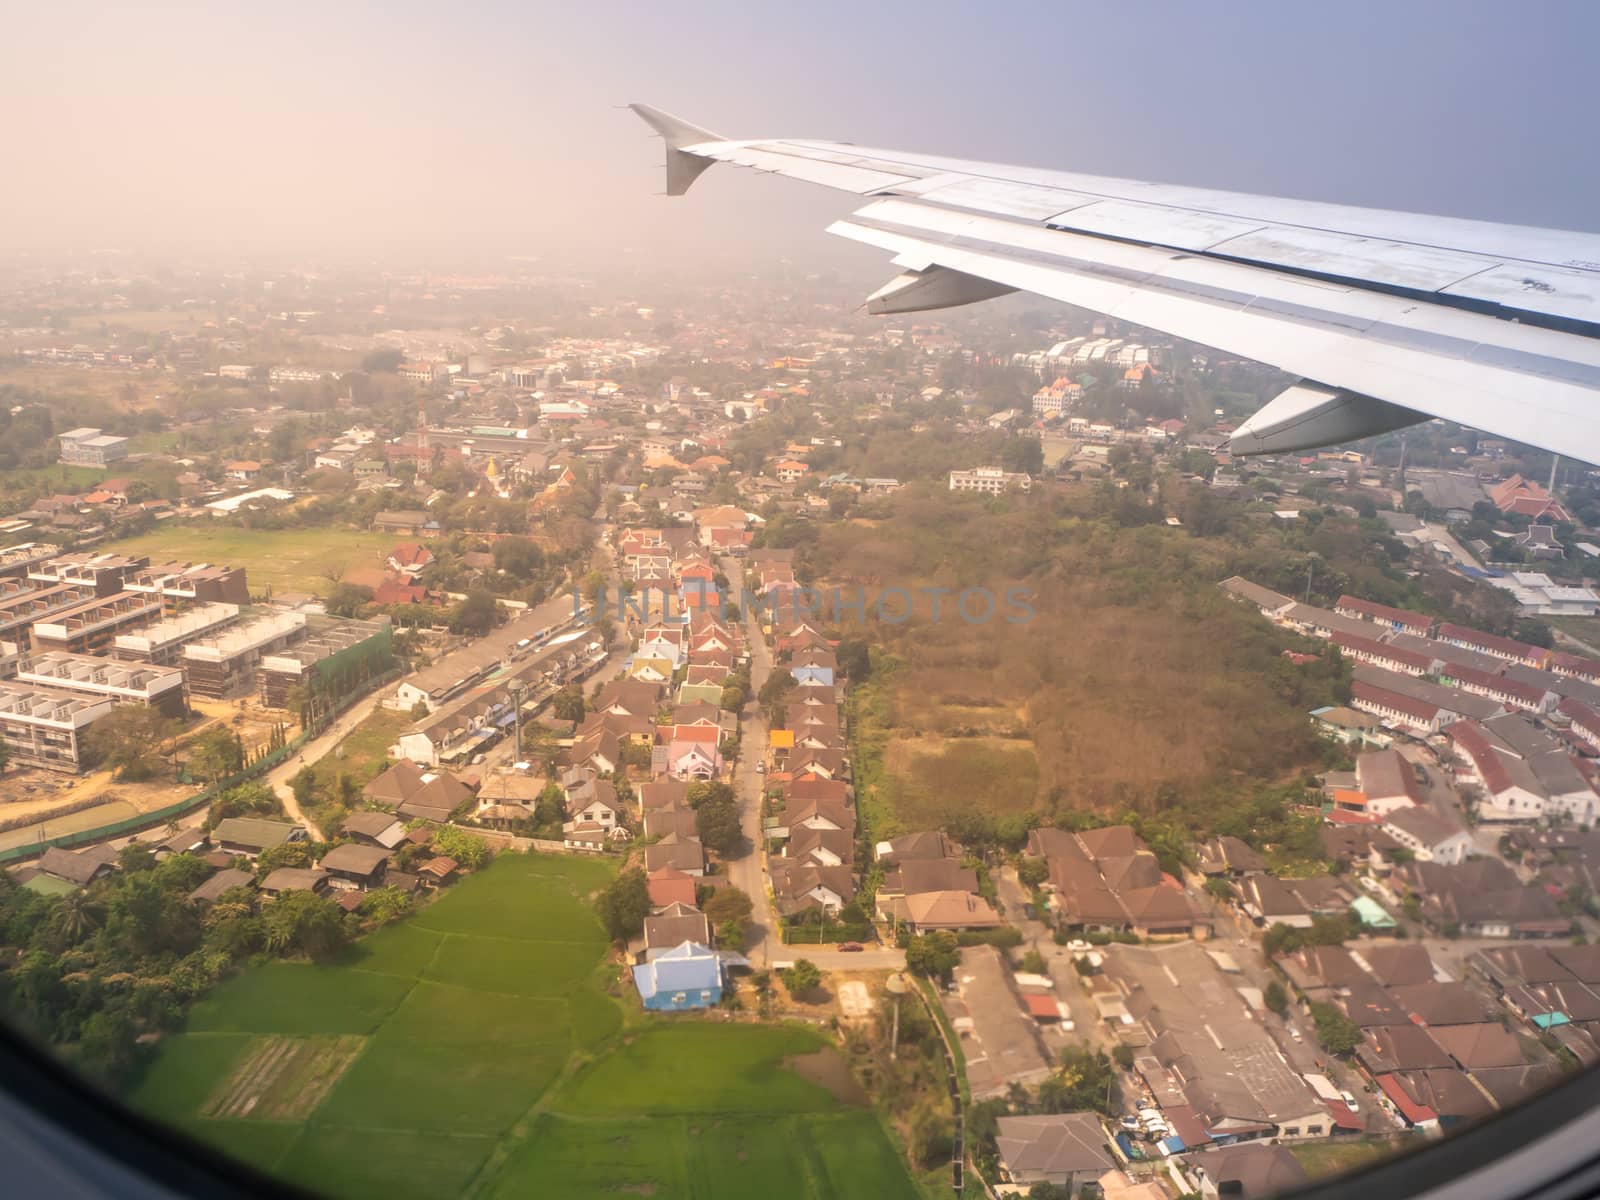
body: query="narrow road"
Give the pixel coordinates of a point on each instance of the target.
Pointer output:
(748, 871)
(278, 778)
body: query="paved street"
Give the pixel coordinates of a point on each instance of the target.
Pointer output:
(748, 872)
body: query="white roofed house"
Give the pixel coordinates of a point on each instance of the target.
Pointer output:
(1427, 835)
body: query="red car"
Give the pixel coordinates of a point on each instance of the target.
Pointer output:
(850, 947)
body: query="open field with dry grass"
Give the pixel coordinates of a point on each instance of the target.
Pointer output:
(1131, 676)
(287, 560)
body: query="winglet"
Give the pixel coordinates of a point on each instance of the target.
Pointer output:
(682, 168)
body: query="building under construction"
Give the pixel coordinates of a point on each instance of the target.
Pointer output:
(95, 678)
(336, 657)
(224, 665)
(190, 583)
(94, 624)
(23, 601)
(162, 643)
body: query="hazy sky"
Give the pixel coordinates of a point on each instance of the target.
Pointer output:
(425, 126)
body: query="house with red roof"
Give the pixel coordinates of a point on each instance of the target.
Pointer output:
(409, 559)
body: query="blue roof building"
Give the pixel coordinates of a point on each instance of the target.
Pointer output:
(687, 976)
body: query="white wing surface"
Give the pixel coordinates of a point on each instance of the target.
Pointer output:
(1385, 318)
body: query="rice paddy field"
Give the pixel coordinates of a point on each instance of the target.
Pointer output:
(474, 1050)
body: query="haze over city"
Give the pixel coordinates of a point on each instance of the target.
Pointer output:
(519, 676)
(413, 129)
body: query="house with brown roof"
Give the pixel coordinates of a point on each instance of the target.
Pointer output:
(676, 923)
(295, 879)
(798, 887)
(353, 865)
(669, 887)
(683, 854)
(952, 910)
(438, 871)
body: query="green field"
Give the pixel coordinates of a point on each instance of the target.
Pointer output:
(472, 1050)
(287, 560)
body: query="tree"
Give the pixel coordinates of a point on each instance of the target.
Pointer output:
(1033, 871)
(76, 917)
(518, 557)
(216, 754)
(1086, 1079)
(1122, 1055)
(1219, 889)
(466, 848)
(624, 904)
(854, 659)
(716, 819)
(1033, 963)
(287, 854)
(305, 922)
(803, 978)
(303, 783)
(728, 909)
(347, 599)
(567, 704)
(385, 904)
(1337, 1033)
(933, 954)
(386, 360)
(127, 740)
(1275, 998)
(476, 615)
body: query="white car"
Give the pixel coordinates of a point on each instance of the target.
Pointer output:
(1078, 946)
(1294, 1033)
(1350, 1102)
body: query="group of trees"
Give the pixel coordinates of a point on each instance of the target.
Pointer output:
(716, 814)
(623, 905)
(95, 969)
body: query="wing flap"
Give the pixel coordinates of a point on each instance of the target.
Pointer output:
(1344, 338)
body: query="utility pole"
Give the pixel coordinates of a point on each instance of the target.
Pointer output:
(895, 985)
(517, 691)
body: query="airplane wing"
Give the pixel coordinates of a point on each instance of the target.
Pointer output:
(1386, 319)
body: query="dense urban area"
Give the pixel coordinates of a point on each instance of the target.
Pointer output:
(463, 733)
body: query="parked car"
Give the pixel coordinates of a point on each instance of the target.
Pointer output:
(1078, 946)
(850, 947)
(761, 768)
(1350, 1102)
(1030, 912)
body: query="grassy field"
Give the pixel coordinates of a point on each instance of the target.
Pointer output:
(472, 1050)
(288, 560)
(1330, 1158)
(928, 776)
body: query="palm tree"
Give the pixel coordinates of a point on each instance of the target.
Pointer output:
(77, 917)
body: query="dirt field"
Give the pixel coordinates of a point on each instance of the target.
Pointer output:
(284, 1078)
(39, 803)
(827, 1068)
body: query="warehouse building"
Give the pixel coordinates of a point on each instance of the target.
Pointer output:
(88, 447)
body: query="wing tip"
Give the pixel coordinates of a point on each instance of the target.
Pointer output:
(683, 168)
